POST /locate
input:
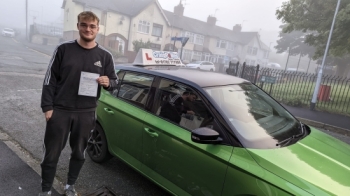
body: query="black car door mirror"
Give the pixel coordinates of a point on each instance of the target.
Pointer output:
(205, 135)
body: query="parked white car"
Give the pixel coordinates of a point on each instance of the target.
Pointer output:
(274, 65)
(205, 65)
(7, 32)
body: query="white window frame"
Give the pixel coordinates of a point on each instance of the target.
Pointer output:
(187, 54)
(143, 26)
(196, 56)
(199, 39)
(190, 36)
(221, 44)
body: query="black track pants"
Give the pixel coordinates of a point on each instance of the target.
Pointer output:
(62, 123)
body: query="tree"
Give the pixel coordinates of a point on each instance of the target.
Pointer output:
(140, 44)
(294, 40)
(314, 18)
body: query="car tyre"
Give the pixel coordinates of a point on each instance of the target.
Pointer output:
(211, 70)
(97, 146)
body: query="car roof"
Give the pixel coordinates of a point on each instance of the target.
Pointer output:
(198, 77)
(8, 29)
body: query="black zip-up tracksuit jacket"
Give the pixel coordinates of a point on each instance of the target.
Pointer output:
(61, 84)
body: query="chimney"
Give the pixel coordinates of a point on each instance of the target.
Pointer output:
(211, 20)
(179, 9)
(237, 28)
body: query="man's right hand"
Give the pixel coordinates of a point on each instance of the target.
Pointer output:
(48, 114)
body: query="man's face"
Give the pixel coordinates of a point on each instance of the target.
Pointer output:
(193, 97)
(88, 29)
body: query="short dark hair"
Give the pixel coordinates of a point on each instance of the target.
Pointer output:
(88, 15)
(186, 93)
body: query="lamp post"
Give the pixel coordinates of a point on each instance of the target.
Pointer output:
(319, 76)
(287, 59)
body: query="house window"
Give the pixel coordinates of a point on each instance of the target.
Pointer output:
(155, 46)
(231, 46)
(186, 55)
(206, 57)
(196, 56)
(199, 39)
(221, 59)
(157, 30)
(214, 58)
(143, 26)
(221, 44)
(255, 51)
(190, 35)
(194, 38)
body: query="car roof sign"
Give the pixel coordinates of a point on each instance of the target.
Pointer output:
(149, 57)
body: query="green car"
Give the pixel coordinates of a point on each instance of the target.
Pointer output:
(197, 132)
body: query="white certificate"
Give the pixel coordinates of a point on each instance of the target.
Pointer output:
(88, 84)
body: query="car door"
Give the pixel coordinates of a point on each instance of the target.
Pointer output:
(122, 115)
(169, 155)
(204, 66)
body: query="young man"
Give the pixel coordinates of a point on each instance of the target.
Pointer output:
(70, 92)
(174, 108)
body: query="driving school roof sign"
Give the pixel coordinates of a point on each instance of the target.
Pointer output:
(149, 57)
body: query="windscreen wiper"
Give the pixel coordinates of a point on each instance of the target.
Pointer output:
(288, 140)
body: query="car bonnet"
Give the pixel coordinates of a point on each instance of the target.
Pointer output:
(319, 163)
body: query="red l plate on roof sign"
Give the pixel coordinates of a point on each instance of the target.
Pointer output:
(147, 57)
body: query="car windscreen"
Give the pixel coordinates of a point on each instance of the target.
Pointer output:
(258, 120)
(10, 30)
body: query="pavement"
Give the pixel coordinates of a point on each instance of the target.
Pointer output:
(332, 122)
(19, 176)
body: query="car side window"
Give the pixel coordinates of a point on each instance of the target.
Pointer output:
(181, 105)
(135, 87)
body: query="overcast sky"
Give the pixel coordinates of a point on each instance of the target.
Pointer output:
(254, 15)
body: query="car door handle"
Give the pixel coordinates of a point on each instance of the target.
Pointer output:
(109, 111)
(151, 133)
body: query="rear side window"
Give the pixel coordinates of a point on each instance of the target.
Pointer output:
(135, 88)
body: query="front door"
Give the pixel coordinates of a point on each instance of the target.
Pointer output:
(169, 155)
(125, 111)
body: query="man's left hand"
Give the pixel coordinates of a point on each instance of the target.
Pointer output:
(103, 81)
